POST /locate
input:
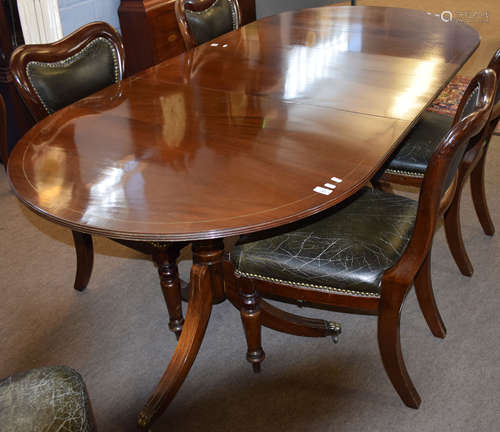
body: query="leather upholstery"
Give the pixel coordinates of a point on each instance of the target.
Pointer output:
(47, 399)
(471, 103)
(212, 22)
(414, 153)
(61, 83)
(345, 249)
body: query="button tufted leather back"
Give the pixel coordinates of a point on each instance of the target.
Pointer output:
(470, 98)
(436, 193)
(200, 23)
(495, 65)
(470, 123)
(52, 76)
(473, 102)
(470, 103)
(477, 99)
(61, 83)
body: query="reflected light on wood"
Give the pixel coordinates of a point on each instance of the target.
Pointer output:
(419, 85)
(234, 136)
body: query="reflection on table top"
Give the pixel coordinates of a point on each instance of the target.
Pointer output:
(236, 135)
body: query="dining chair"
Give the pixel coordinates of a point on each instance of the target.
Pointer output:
(51, 76)
(409, 163)
(4, 150)
(202, 21)
(46, 399)
(363, 255)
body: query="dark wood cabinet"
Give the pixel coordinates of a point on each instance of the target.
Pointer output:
(150, 32)
(19, 120)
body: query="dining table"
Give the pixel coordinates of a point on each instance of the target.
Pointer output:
(261, 127)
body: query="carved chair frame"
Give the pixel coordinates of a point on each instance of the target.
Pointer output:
(164, 254)
(4, 150)
(412, 267)
(59, 51)
(474, 166)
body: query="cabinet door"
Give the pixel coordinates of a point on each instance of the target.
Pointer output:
(150, 32)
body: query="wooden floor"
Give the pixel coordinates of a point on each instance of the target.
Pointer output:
(489, 31)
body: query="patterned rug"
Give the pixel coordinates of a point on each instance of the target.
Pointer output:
(447, 102)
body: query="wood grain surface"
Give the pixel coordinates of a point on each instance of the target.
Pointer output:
(234, 136)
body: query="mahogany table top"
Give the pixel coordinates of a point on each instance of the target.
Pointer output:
(237, 135)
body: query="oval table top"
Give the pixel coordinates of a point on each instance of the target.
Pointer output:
(241, 134)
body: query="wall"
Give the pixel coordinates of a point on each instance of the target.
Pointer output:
(272, 7)
(75, 13)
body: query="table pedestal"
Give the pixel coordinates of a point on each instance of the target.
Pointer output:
(207, 285)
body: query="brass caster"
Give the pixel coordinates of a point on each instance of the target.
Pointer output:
(144, 421)
(334, 330)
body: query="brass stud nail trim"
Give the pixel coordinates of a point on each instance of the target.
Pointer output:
(404, 173)
(300, 284)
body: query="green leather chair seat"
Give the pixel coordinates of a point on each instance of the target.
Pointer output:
(414, 153)
(46, 399)
(345, 249)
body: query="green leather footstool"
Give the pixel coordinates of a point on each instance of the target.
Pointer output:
(47, 399)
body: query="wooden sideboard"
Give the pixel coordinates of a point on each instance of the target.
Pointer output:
(19, 120)
(150, 32)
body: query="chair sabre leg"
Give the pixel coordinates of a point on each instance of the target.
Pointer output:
(454, 232)
(84, 259)
(390, 349)
(251, 319)
(479, 196)
(426, 300)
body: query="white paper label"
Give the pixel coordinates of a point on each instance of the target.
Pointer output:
(329, 185)
(322, 190)
(336, 180)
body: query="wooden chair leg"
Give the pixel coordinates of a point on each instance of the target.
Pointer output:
(250, 317)
(454, 232)
(297, 325)
(166, 260)
(426, 300)
(279, 320)
(479, 196)
(390, 349)
(382, 186)
(84, 259)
